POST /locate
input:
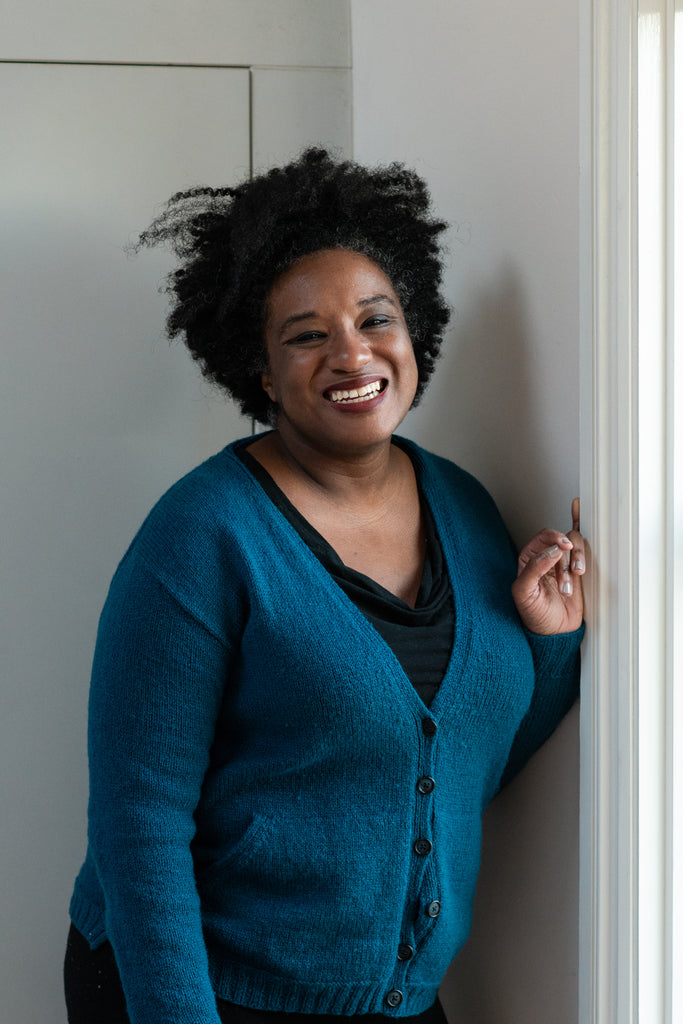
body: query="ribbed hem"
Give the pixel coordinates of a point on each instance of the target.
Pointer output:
(88, 919)
(260, 990)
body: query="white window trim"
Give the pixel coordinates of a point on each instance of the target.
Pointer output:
(631, 451)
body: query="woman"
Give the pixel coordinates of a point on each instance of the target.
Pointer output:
(319, 659)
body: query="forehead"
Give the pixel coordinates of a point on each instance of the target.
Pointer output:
(330, 274)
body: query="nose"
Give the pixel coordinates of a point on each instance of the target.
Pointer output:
(349, 349)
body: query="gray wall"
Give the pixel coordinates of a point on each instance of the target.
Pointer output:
(483, 100)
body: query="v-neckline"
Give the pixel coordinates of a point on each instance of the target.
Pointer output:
(327, 553)
(461, 624)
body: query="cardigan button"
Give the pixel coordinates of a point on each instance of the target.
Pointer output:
(428, 726)
(426, 785)
(433, 909)
(422, 847)
(394, 998)
(405, 952)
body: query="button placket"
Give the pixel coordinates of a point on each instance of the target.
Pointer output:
(428, 906)
(422, 846)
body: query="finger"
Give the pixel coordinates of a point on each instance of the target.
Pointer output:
(578, 557)
(539, 545)
(564, 578)
(545, 539)
(538, 563)
(528, 589)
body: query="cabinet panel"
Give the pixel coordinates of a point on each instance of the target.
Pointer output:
(98, 414)
(92, 153)
(289, 32)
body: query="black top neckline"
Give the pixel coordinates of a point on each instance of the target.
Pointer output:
(434, 585)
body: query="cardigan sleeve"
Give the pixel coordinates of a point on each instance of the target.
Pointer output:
(557, 668)
(157, 685)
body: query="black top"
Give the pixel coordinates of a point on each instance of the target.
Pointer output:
(421, 637)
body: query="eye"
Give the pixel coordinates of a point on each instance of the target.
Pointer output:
(306, 336)
(377, 320)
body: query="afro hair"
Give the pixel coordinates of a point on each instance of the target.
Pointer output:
(233, 243)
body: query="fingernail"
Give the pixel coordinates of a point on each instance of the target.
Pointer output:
(552, 550)
(578, 565)
(566, 588)
(565, 540)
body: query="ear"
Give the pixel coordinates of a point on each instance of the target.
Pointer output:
(267, 385)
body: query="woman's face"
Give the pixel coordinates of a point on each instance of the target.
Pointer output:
(341, 365)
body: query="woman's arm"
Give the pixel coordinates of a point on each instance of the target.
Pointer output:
(157, 685)
(557, 669)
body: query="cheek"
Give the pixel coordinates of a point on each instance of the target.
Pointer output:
(411, 366)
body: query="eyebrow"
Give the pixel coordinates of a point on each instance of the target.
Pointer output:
(311, 313)
(377, 298)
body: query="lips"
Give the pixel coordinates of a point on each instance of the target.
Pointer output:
(355, 392)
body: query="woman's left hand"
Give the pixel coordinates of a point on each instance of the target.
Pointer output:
(547, 591)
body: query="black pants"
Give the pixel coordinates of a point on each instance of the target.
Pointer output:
(94, 995)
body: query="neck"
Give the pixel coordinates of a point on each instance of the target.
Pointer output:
(358, 478)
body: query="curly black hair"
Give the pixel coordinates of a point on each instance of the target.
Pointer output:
(232, 244)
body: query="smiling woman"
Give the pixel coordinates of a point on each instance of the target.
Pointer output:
(320, 657)
(350, 354)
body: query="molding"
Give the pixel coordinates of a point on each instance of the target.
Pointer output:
(631, 446)
(608, 925)
(675, 372)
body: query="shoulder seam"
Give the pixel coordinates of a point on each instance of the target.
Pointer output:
(182, 604)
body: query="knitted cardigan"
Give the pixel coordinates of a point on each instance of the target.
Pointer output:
(275, 817)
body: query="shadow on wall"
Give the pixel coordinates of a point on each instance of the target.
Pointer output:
(482, 407)
(520, 963)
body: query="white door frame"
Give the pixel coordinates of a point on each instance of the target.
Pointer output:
(630, 434)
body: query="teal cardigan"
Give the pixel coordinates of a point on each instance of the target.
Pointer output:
(275, 817)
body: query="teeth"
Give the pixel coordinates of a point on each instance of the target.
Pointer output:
(357, 394)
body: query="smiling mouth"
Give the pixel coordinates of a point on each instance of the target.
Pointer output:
(357, 395)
